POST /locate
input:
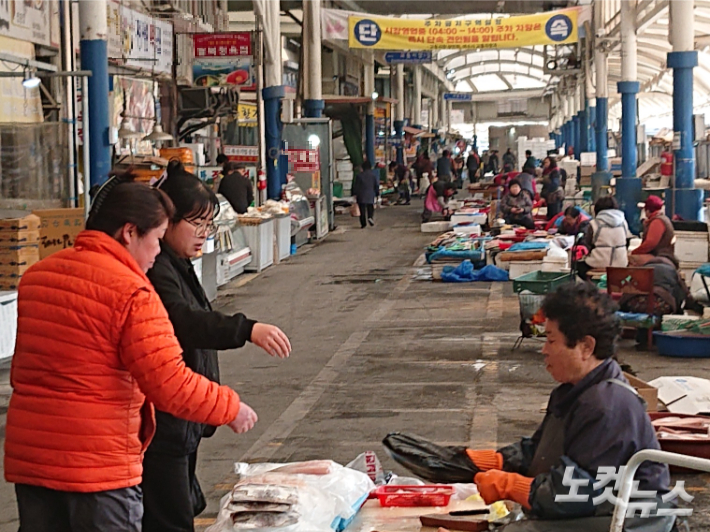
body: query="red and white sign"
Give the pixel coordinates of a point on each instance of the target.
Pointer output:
(242, 154)
(237, 44)
(303, 160)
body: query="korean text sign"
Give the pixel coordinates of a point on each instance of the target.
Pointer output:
(223, 59)
(554, 27)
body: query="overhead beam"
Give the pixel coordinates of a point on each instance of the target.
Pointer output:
(493, 96)
(504, 80)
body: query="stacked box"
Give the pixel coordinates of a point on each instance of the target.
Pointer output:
(19, 246)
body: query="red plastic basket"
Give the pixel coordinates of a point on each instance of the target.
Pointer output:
(405, 496)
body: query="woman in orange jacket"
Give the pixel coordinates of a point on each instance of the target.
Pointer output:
(95, 352)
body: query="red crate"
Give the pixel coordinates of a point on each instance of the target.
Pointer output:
(390, 496)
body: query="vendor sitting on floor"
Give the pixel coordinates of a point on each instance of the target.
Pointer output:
(606, 238)
(669, 289)
(658, 234)
(574, 222)
(516, 206)
(594, 420)
(436, 199)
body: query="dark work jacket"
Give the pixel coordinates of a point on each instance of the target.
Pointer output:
(604, 424)
(238, 190)
(200, 331)
(366, 187)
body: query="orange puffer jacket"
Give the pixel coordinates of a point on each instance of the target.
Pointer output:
(95, 351)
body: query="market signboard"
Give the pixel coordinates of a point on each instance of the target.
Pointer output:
(139, 40)
(408, 57)
(26, 21)
(382, 33)
(223, 59)
(242, 154)
(247, 113)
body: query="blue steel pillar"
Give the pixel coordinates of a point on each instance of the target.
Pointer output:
(313, 108)
(94, 58)
(398, 133)
(275, 170)
(575, 134)
(591, 122)
(583, 132)
(628, 188)
(687, 201)
(601, 127)
(602, 177)
(370, 138)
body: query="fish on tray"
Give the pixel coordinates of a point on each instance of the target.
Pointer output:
(268, 493)
(257, 520)
(240, 506)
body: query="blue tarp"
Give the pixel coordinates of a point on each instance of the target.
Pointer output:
(464, 273)
(468, 254)
(529, 246)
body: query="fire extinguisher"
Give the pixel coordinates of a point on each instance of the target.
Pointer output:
(261, 180)
(667, 163)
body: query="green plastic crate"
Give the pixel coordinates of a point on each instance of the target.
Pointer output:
(539, 282)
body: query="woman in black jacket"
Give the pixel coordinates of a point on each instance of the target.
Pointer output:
(171, 493)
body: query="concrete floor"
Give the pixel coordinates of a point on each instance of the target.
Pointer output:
(376, 351)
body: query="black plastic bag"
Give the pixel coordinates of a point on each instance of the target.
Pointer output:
(432, 462)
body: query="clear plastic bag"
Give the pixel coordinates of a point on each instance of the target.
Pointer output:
(328, 500)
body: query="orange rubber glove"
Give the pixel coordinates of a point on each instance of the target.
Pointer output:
(486, 460)
(496, 486)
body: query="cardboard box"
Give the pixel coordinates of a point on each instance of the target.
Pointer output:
(18, 239)
(645, 390)
(18, 221)
(684, 395)
(15, 262)
(9, 283)
(58, 229)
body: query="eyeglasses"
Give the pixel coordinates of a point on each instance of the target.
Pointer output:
(203, 227)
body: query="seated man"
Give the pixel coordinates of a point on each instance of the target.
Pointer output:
(594, 420)
(516, 206)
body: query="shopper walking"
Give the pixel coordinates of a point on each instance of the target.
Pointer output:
(95, 352)
(366, 189)
(444, 166)
(172, 495)
(237, 187)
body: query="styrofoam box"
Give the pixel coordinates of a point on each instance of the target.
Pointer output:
(462, 218)
(436, 227)
(8, 323)
(473, 229)
(521, 267)
(688, 269)
(691, 246)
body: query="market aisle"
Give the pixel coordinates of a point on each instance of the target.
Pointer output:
(374, 351)
(377, 351)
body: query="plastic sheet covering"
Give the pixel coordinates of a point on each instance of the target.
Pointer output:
(465, 272)
(432, 462)
(34, 165)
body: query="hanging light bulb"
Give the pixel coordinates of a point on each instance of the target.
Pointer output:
(31, 81)
(157, 134)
